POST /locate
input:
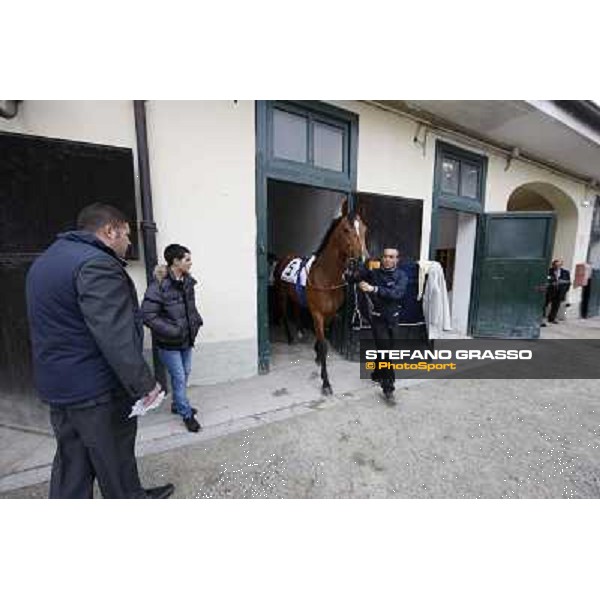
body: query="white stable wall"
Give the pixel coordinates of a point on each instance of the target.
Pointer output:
(202, 160)
(390, 162)
(568, 198)
(203, 184)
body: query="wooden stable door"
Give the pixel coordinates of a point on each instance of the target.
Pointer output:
(44, 183)
(513, 255)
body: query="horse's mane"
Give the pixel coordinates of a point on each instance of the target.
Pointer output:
(327, 235)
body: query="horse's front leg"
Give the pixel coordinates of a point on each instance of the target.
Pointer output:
(326, 388)
(321, 348)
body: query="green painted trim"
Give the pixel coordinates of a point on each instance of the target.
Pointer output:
(287, 171)
(262, 267)
(476, 277)
(269, 167)
(480, 250)
(306, 173)
(353, 158)
(441, 199)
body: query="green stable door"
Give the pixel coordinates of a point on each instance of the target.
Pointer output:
(513, 255)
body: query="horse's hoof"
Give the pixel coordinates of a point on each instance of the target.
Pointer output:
(326, 390)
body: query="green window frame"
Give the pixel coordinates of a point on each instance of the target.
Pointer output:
(316, 115)
(271, 167)
(465, 162)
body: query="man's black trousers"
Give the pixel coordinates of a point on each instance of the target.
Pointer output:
(384, 335)
(95, 440)
(553, 299)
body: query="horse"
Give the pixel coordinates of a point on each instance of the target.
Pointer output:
(338, 253)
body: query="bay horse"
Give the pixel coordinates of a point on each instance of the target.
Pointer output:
(342, 246)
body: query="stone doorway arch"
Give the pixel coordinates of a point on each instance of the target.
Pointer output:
(542, 196)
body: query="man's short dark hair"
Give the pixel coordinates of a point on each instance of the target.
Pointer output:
(97, 215)
(173, 251)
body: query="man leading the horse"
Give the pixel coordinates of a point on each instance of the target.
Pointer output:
(386, 287)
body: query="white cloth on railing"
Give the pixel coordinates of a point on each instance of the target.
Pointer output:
(436, 307)
(424, 266)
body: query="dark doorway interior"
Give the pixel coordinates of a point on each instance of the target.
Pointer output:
(43, 184)
(392, 222)
(297, 216)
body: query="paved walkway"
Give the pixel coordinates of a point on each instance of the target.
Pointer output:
(292, 389)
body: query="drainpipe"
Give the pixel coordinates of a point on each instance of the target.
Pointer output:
(147, 224)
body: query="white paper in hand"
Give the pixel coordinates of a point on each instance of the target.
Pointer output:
(139, 410)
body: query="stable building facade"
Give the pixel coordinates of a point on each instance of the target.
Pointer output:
(491, 189)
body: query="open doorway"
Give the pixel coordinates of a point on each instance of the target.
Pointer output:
(455, 251)
(44, 183)
(298, 216)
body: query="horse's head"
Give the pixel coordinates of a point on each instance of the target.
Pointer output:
(349, 239)
(353, 233)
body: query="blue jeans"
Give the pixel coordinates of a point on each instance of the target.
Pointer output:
(179, 365)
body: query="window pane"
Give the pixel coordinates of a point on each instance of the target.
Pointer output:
(328, 147)
(517, 238)
(469, 180)
(450, 176)
(289, 136)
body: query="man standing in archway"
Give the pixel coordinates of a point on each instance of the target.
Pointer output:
(559, 282)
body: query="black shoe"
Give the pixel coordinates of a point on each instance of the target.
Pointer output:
(192, 425)
(389, 396)
(174, 410)
(160, 492)
(543, 325)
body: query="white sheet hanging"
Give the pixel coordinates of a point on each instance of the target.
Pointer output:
(436, 307)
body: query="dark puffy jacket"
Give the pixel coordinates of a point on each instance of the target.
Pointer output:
(411, 309)
(85, 323)
(391, 288)
(169, 310)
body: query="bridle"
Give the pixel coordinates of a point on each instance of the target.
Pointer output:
(349, 272)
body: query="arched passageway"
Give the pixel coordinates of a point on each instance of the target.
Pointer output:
(541, 196)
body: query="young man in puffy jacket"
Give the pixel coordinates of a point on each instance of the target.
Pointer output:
(87, 341)
(385, 288)
(169, 310)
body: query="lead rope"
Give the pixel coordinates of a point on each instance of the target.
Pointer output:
(357, 312)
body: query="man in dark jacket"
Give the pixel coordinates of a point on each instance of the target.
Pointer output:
(169, 310)
(385, 287)
(87, 336)
(559, 282)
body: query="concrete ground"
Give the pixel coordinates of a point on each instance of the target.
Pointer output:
(275, 437)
